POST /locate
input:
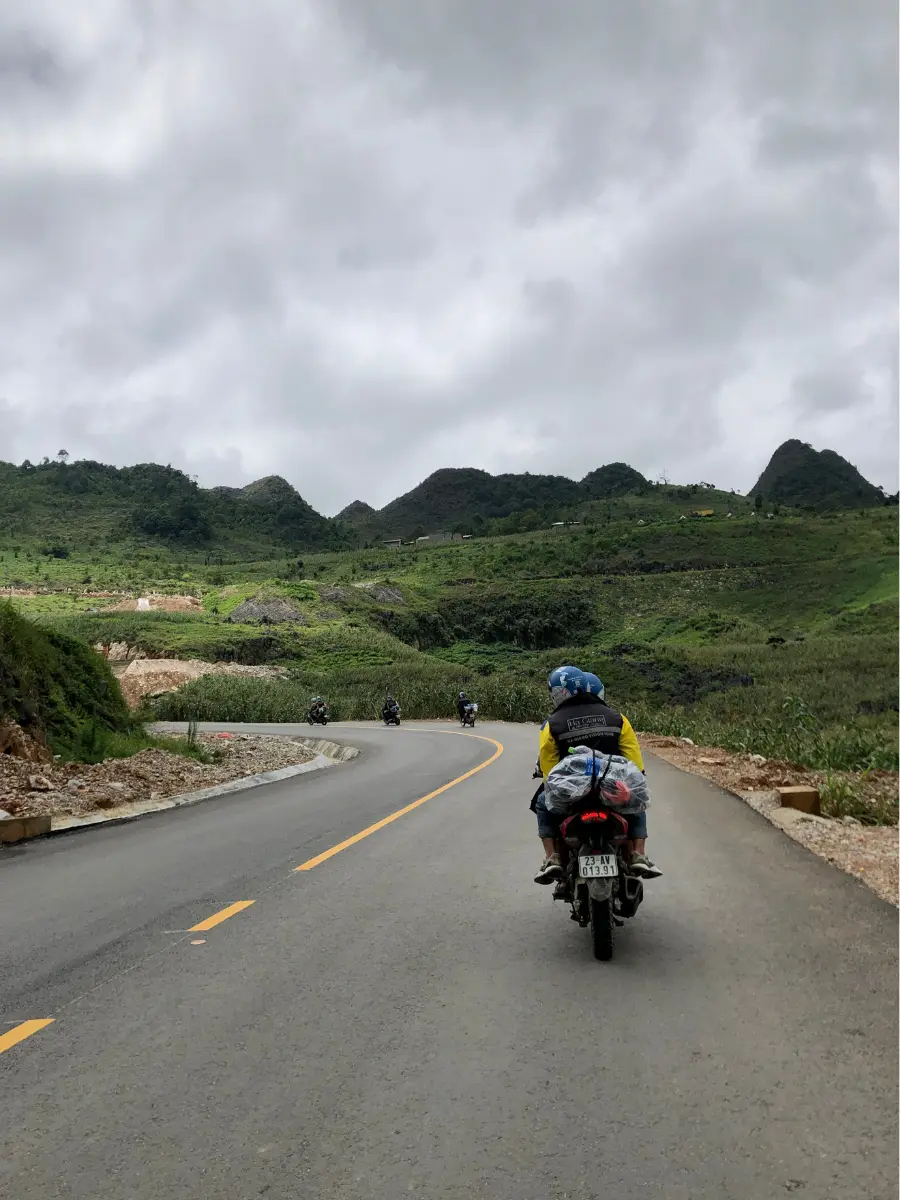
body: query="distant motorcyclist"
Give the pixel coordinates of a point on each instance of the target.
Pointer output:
(390, 708)
(318, 711)
(462, 703)
(581, 717)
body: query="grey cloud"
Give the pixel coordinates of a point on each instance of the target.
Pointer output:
(512, 55)
(786, 142)
(829, 390)
(26, 66)
(354, 243)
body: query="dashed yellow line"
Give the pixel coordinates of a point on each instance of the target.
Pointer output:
(26, 1029)
(401, 812)
(223, 915)
(19, 1033)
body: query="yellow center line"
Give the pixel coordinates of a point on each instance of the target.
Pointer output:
(401, 812)
(19, 1033)
(219, 917)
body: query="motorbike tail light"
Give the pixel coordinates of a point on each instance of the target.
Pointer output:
(590, 818)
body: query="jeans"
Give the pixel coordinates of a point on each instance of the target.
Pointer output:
(548, 822)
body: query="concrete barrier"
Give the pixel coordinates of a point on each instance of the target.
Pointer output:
(17, 829)
(801, 797)
(322, 746)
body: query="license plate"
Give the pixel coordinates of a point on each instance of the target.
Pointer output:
(597, 866)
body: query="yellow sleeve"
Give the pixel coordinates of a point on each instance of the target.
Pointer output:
(548, 755)
(628, 744)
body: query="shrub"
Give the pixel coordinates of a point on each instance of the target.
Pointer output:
(56, 684)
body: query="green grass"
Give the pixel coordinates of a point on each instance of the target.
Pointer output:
(55, 686)
(846, 797)
(96, 744)
(58, 689)
(830, 703)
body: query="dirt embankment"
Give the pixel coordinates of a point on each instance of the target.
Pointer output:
(157, 603)
(29, 789)
(144, 677)
(867, 851)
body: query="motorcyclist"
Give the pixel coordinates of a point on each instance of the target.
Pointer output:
(581, 717)
(462, 703)
(390, 706)
(316, 706)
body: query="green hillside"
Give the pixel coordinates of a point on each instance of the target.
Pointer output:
(722, 628)
(799, 475)
(151, 512)
(769, 628)
(55, 687)
(73, 506)
(456, 496)
(615, 479)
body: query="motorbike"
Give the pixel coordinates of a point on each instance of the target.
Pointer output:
(602, 891)
(467, 717)
(318, 715)
(391, 715)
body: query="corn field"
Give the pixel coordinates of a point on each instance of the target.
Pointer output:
(358, 697)
(792, 733)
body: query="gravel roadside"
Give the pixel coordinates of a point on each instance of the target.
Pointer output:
(868, 852)
(76, 789)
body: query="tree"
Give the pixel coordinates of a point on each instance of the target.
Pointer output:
(62, 456)
(758, 502)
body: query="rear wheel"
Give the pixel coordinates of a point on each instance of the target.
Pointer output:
(602, 929)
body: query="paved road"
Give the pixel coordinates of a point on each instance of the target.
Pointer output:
(414, 1017)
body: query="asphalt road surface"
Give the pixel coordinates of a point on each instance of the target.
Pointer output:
(412, 1016)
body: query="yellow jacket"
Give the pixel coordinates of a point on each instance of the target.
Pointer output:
(549, 754)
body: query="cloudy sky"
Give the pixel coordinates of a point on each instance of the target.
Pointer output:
(353, 241)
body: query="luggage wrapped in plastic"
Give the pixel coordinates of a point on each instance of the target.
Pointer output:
(616, 782)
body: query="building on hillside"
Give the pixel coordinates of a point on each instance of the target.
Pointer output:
(394, 543)
(703, 512)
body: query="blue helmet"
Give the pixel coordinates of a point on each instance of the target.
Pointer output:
(566, 682)
(595, 685)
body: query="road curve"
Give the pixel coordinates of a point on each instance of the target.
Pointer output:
(413, 1016)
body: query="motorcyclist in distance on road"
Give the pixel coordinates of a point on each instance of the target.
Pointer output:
(581, 717)
(461, 703)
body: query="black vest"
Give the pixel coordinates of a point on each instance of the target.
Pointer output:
(586, 721)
